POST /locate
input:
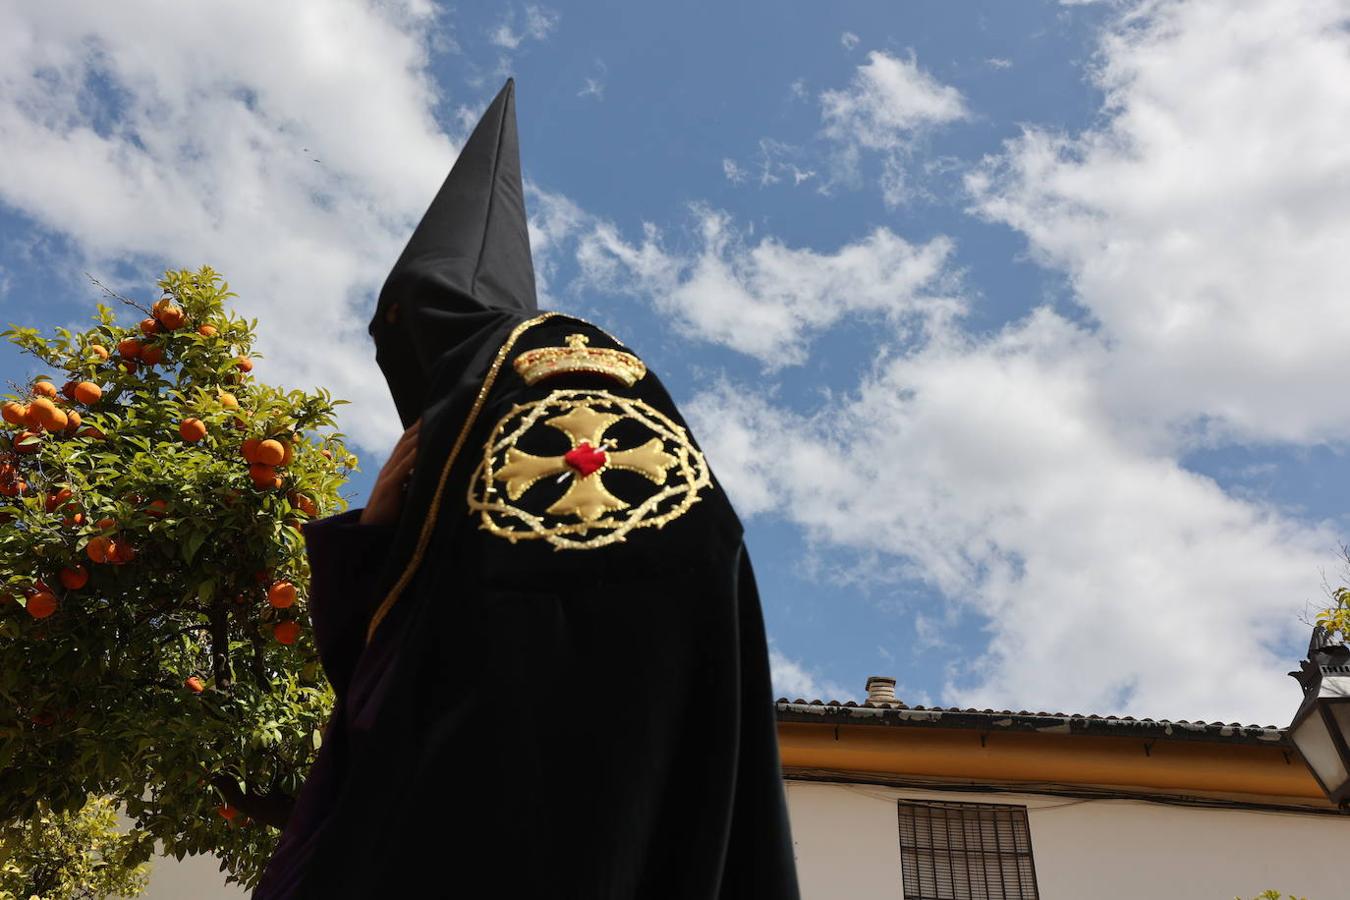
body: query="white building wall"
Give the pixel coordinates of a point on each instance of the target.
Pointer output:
(195, 878)
(847, 844)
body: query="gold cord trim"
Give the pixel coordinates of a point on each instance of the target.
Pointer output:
(429, 524)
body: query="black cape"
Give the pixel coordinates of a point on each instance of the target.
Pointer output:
(563, 688)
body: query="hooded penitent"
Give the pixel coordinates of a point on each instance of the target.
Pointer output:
(558, 685)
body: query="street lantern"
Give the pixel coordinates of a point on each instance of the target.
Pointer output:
(1321, 727)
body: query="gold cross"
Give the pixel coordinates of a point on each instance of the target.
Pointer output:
(587, 497)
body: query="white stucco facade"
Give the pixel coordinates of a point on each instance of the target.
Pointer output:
(846, 839)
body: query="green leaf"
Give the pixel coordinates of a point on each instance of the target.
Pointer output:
(192, 543)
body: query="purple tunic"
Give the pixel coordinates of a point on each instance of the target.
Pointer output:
(344, 558)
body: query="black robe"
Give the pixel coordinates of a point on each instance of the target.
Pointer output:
(591, 720)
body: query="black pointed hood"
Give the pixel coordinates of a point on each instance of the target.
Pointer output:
(466, 266)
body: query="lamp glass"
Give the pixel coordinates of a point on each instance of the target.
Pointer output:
(1314, 741)
(1340, 714)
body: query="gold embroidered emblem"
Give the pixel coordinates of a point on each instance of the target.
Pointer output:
(545, 362)
(654, 472)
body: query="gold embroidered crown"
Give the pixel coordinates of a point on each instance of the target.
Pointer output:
(545, 362)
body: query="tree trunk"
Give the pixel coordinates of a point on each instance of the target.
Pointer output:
(220, 646)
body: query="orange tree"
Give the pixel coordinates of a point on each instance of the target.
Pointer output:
(154, 642)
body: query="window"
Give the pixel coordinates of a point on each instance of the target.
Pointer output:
(965, 851)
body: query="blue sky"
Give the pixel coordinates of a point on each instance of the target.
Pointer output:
(1012, 329)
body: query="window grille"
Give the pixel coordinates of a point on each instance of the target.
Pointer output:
(965, 851)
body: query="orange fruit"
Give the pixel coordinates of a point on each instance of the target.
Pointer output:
(127, 365)
(326, 453)
(99, 549)
(121, 552)
(228, 400)
(149, 326)
(195, 684)
(152, 355)
(87, 393)
(243, 363)
(287, 454)
(72, 422)
(74, 518)
(172, 317)
(13, 412)
(281, 594)
(227, 811)
(105, 523)
(157, 508)
(43, 411)
(129, 348)
(206, 330)
(44, 389)
(98, 350)
(264, 476)
(192, 430)
(74, 577)
(27, 442)
(12, 487)
(249, 449)
(41, 605)
(57, 498)
(286, 632)
(270, 453)
(68, 390)
(89, 431)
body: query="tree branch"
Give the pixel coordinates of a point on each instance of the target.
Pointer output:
(273, 808)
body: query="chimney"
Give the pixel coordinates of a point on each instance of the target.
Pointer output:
(881, 689)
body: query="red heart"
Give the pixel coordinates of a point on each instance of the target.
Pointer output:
(584, 458)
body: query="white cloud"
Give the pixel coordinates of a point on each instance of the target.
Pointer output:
(779, 161)
(766, 299)
(848, 40)
(888, 101)
(592, 88)
(1108, 578)
(998, 62)
(732, 170)
(791, 679)
(553, 226)
(1205, 223)
(201, 146)
(1032, 477)
(539, 22)
(889, 105)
